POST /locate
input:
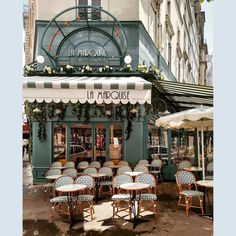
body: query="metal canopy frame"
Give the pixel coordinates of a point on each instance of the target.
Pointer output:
(58, 30)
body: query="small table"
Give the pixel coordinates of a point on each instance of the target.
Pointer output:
(53, 177)
(69, 190)
(133, 188)
(133, 173)
(206, 184)
(97, 177)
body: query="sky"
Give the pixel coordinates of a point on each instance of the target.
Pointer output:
(209, 9)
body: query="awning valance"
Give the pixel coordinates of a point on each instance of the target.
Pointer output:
(185, 95)
(87, 89)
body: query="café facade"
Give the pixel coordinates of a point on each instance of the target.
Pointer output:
(89, 94)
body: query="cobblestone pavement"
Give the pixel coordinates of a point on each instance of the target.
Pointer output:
(171, 221)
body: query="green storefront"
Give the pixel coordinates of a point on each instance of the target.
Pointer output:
(84, 101)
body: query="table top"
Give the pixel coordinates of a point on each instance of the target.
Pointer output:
(71, 188)
(133, 173)
(53, 177)
(206, 183)
(83, 167)
(98, 175)
(193, 168)
(134, 186)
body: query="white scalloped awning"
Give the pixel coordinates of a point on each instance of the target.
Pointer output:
(87, 89)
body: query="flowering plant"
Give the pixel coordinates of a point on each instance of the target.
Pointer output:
(157, 71)
(127, 68)
(142, 69)
(49, 70)
(29, 69)
(86, 69)
(68, 69)
(105, 69)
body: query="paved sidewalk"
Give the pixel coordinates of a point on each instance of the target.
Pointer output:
(171, 222)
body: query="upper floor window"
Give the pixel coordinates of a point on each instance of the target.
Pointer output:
(94, 14)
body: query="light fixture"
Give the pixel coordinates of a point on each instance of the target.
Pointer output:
(162, 104)
(133, 110)
(128, 59)
(36, 110)
(57, 111)
(40, 59)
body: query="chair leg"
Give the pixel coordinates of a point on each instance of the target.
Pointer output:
(201, 204)
(187, 205)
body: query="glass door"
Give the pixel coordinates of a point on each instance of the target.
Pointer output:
(100, 142)
(116, 142)
(81, 142)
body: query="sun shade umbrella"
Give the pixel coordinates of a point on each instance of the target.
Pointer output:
(200, 118)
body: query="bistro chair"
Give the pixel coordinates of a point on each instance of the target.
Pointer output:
(86, 197)
(95, 164)
(108, 164)
(60, 199)
(184, 164)
(123, 169)
(70, 164)
(70, 172)
(119, 196)
(48, 187)
(143, 162)
(82, 165)
(106, 181)
(141, 168)
(150, 196)
(187, 187)
(155, 168)
(123, 163)
(210, 169)
(56, 164)
(90, 170)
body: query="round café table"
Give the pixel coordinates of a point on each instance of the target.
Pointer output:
(53, 177)
(97, 178)
(134, 189)
(70, 189)
(206, 184)
(134, 173)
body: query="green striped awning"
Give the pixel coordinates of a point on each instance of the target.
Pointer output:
(87, 89)
(185, 95)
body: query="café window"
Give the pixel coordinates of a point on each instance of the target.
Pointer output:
(90, 14)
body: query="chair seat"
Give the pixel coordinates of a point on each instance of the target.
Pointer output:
(85, 198)
(209, 177)
(107, 183)
(191, 193)
(59, 199)
(120, 197)
(147, 197)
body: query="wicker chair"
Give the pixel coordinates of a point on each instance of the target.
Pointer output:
(106, 181)
(60, 199)
(187, 186)
(143, 162)
(90, 170)
(123, 169)
(70, 172)
(184, 164)
(210, 169)
(48, 187)
(86, 197)
(150, 196)
(70, 164)
(95, 164)
(81, 165)
(141, 168)
(123, 163)
(56, 164)
(118, 196)
(155, 168)
(108, 164)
